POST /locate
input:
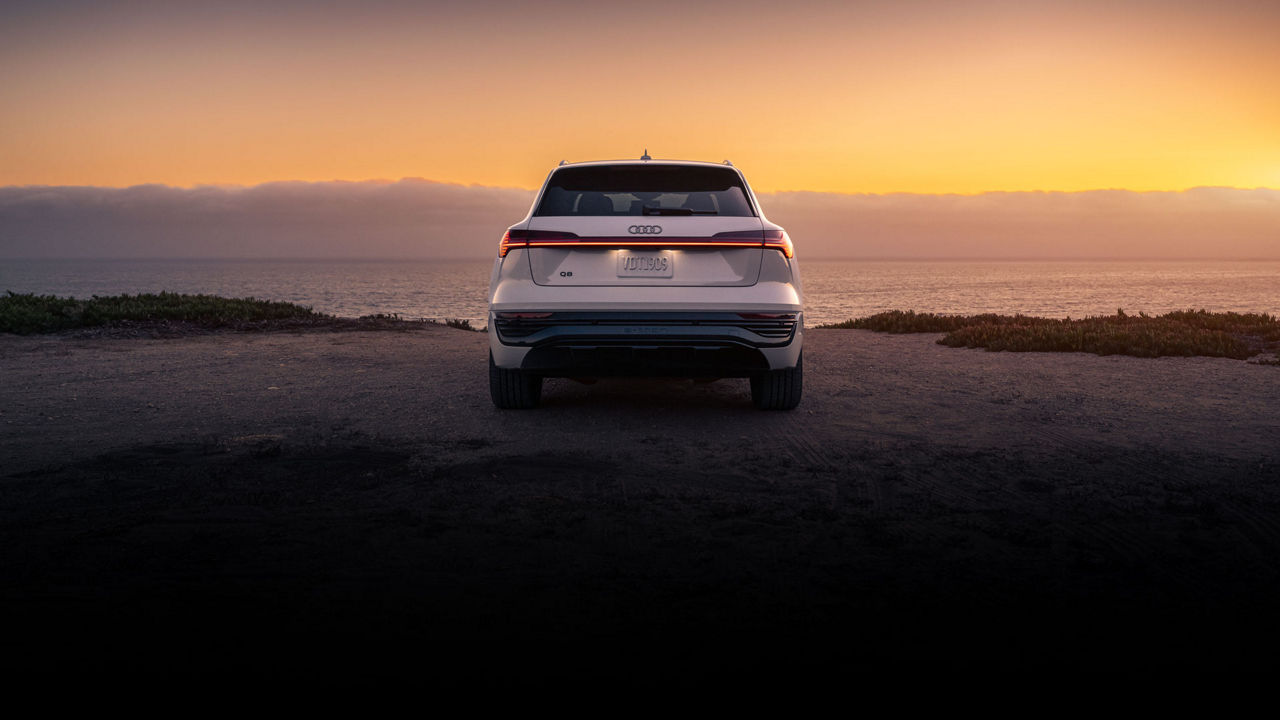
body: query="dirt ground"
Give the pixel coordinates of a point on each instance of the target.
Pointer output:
(350, 503)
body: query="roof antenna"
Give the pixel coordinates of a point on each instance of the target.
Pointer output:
(645, 156)
(562, 162)
(726, 162)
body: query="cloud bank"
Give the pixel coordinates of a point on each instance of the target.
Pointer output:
(1223, 223)
(410, 218)
(415, 218)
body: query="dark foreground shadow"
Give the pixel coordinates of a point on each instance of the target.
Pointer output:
(367, 560)
(648, 394)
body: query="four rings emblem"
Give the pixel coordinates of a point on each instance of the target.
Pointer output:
(645, 229)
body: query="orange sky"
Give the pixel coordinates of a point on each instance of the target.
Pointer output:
(926, 97)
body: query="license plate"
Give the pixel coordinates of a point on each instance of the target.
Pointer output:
(645, 264)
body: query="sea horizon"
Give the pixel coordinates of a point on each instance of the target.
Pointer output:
(807, 259)
(835, 289)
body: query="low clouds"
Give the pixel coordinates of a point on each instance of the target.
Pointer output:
(415, 218)
(1222, 223)
(410, 218)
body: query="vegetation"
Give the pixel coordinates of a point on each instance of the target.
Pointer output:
(456, 323)
(910, 321)
(1182, 333)
(29, 313)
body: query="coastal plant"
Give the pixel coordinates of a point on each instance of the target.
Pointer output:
(1178, 333)
(1111, 335)
(29, 313)
(910, 321)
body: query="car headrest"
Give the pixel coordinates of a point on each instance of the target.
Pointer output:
(700, 202)
(594, 203)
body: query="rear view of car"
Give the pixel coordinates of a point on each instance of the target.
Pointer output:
(645, 268)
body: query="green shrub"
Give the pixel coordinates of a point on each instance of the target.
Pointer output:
(910, 321)
(28, 313)
(1147, 337)
(1180, 333)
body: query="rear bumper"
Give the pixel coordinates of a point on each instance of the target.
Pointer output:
(644, 328)
(682, 344)
(606, 361)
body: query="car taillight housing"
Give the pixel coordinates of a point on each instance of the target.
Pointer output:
(772, 239)
(525, 238)
(778, 240)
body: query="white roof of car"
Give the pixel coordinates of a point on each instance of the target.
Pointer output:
(654, 161)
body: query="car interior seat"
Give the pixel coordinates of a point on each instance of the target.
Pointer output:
(594, 203)
(700, 202)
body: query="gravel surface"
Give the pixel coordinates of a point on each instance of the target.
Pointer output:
(351, 503)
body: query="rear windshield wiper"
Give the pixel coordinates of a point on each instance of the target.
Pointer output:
(646, 210)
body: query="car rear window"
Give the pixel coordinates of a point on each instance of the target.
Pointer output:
(601, 190)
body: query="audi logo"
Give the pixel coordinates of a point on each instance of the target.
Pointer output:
(645, 229)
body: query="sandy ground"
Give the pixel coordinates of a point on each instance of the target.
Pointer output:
(350, 502)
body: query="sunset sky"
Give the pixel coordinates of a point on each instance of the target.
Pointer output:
(917, 97)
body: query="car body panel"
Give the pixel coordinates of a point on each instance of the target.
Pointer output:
(694, 320)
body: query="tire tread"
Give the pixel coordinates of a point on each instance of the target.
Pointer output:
(779, 389)
(513, 389)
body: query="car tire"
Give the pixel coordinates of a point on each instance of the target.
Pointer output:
(779, 389)
(513, 389)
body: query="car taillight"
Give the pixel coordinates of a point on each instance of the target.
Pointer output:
(523, 315)
(525, 238)
(767, 316)
(778, 240)
(775, 239)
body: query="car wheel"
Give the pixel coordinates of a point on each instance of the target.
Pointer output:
(513, 389)
(778, 389)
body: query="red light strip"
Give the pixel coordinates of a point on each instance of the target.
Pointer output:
(785, 247)
(674, 242)
(640, 243)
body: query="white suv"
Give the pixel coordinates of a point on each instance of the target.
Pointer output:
(645, 267)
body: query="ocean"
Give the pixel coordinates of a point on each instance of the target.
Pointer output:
(835, 290)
